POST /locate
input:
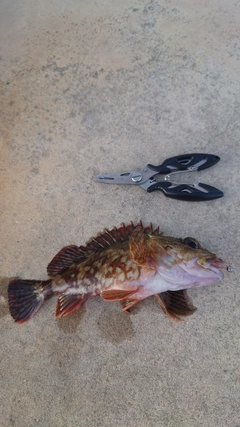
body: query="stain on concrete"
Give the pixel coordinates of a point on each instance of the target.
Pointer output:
(69, 324)
(115, 326)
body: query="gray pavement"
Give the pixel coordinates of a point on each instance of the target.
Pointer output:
(92, 87)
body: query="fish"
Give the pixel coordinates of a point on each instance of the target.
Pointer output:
(125, 264)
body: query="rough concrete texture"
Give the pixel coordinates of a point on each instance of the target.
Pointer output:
(92, 87)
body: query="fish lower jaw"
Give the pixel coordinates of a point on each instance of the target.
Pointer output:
(215, 266)
(218, 273)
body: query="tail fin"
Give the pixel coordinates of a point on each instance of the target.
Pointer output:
(25, 297)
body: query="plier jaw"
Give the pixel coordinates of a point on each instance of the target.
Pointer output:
(146, 178)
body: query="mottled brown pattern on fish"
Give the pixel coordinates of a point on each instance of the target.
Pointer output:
(101, 270)
(125, 264)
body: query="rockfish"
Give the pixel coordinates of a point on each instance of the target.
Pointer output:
(125, 264)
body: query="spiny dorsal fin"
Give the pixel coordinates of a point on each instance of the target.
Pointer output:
(110, 237)
(72, 253)
(176, 304)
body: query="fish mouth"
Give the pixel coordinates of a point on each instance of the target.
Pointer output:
(208, 268)
(216, 265)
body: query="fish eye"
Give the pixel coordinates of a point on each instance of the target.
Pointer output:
(191, 242)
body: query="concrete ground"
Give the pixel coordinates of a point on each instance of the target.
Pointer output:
(105, 86)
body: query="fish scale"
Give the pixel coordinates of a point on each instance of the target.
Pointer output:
(125, 264)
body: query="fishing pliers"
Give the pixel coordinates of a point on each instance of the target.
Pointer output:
(146, 178)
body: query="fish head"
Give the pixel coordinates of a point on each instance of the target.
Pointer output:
(184, 262)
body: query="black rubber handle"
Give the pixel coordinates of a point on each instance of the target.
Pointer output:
(186, 161)
(187, 192)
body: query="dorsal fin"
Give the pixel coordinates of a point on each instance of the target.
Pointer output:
(63, 259)
(109, 237)
(72, 253)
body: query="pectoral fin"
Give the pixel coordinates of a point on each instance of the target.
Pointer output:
(176, 304)
(128, 303)
(116, 294)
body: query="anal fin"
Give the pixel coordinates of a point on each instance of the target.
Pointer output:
(176, 304)
(67, 303)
